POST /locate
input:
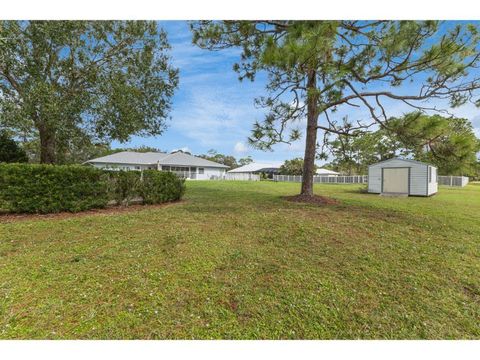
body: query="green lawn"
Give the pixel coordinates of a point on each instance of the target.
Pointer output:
(236, 261)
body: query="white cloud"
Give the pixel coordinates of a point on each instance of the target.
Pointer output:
(240, 148)
(212, 115)
(476, 124)
(212, 108)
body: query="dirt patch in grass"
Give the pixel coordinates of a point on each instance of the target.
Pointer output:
(315, 199)
(110, 210)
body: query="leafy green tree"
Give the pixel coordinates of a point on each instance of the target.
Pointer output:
(10, 152)
(68, 83)
(476, 171)
(245, 161)
(181, 151)
(227, 160)
(293, 167)
(317, 67)
(141, 149)
(75, 151)
(448, 143)
(352, 154)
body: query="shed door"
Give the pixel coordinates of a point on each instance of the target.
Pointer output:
(395, 180)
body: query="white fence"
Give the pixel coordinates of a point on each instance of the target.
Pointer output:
(233, 176)
(363, 179)
(453, 180)
(353, 179)
(242, 176)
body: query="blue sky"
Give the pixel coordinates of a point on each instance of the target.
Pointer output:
(213, 110)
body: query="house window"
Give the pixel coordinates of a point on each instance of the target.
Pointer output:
(201, 170)
(166, 168)
(429, 174)
(137, 167)
(179, 168)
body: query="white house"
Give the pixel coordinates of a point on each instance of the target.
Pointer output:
(326, 172)
(251, 171)
(402, 177)
(186, 165)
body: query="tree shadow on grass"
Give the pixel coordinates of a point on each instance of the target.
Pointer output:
(360, 190)
(221, 202)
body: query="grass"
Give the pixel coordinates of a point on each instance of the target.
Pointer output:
(235, 261)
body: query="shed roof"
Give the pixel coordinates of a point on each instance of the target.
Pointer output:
(401, 159)
(150, 158)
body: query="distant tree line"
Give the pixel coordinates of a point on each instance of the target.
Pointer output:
(293, 167)
(448, 143)
(227, 160)
(14, 151)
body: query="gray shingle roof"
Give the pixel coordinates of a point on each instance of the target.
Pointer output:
(180, 158)
(130, 157)
(256, 166)
(150, 158)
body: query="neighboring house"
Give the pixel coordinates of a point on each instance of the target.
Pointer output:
(402, 177)
(326, 172)
(186, 165)
(251, 171)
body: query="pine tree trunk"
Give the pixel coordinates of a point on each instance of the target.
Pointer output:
(311, 136)
(47, 145)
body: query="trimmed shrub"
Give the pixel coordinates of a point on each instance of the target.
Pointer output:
(123, 186)
(158, 187)
(33, 188)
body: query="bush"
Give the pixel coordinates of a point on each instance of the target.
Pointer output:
(157, 187)
(29, 188)
(10, 152)
(123, 186)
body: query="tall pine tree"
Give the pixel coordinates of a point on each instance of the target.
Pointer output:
(317, 67)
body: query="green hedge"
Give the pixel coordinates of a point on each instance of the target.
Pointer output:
(158, 187)
(32, 188)
(123, 186)
(29, 188)
(154, 187)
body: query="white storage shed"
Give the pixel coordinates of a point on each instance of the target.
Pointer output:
(402, 177)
